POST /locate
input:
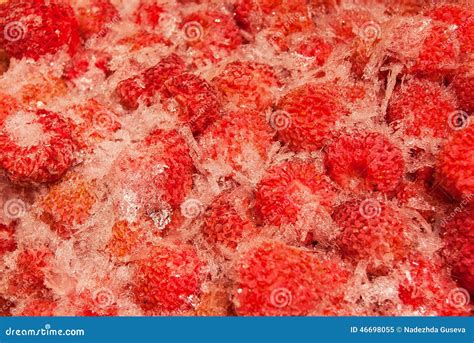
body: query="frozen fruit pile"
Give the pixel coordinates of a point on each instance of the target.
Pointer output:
(236, 157)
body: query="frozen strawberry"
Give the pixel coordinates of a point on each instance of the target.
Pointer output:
(455, 167)
(7, 238)
(314, 46)
(439, 53)
(144, 86)
(93, 123)
(81, 63)
(286, 188)
(168, 278)
(68, 205)
(462, 17)
(374, 231)
(213, 34)
(42, 307)
(197, 100)
(28, 277)
(154, 176)
(148, 13)
(35, 147)
(426, 288)
(227, 222)
(423, 108)
(463, 85)
(241, 140)
(305, 116)
(365, 161)
(274, 279)
(458, 237)
(93, 16)
(247, 84)
(35, 28)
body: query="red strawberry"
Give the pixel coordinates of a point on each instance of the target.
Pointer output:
(274, 279)
(286, 188)
(305, 116)
(455, 167)
(167, 279)
(42, 151)
(240, 140)
(423, 108)
(365, 161)
(68, 205)
(38, 27)
(227, 222)
(247, 84)
(198, 102)
(149, 83)
(374, 231)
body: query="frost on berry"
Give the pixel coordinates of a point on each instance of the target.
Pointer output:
(240, 140)
(198, 103)
(144, 86)
(248, 85)
(288, 188)
(227, 223)
(168, 278)
(374, 231)
(426, 288)
(35, 147)
(424, 108)
(68, 205)
(35, 28)
(154, 177)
